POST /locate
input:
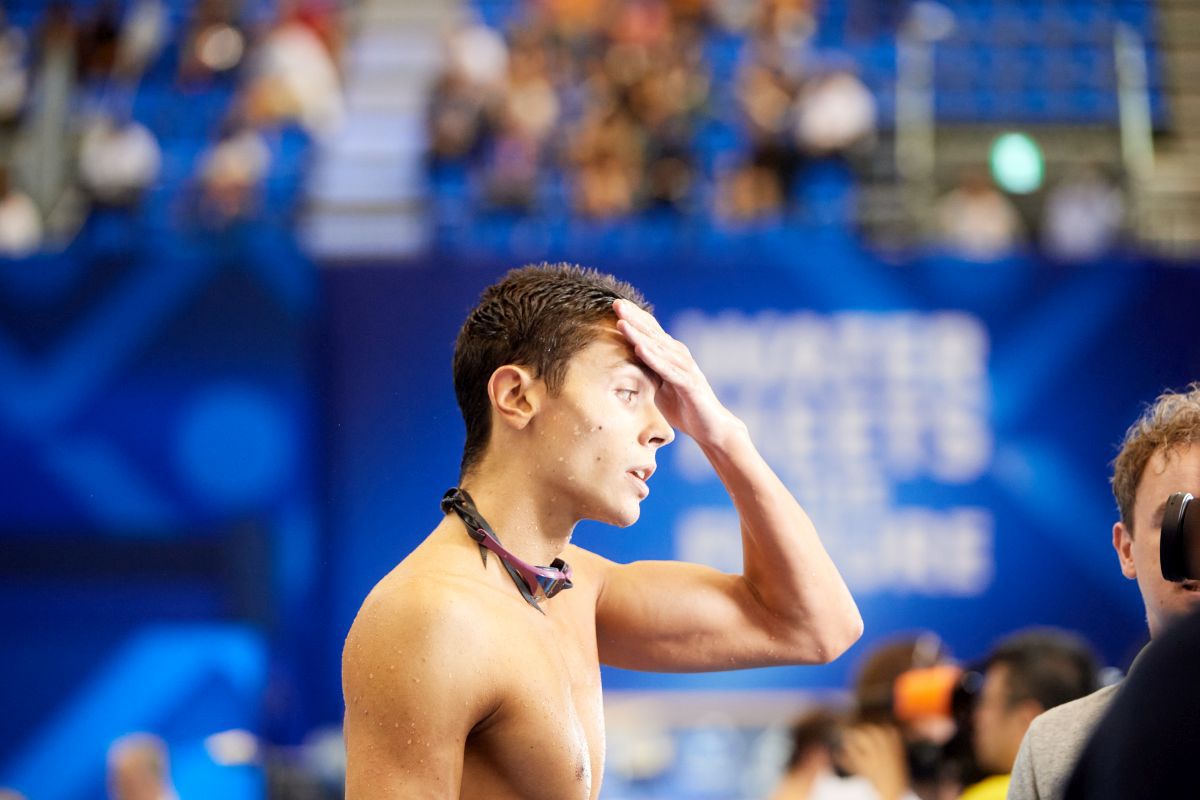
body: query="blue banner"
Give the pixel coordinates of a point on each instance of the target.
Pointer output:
(948, 426)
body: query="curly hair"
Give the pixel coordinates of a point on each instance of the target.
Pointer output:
(1171, 422)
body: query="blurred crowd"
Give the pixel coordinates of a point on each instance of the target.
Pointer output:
(726, 111)
(611, 107)
(99, 108)
(921, 725)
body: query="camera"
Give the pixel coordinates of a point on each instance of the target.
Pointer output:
(1179, 545)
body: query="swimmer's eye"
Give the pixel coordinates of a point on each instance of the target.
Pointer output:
(627, 395)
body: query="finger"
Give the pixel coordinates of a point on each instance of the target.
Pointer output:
(659, 357)
(646, 326)
(670, 349)
(652, 356)
(638, 316)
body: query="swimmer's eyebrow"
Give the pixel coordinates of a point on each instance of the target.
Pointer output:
(650, 374)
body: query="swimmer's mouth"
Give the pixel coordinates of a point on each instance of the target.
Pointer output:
(642, 473)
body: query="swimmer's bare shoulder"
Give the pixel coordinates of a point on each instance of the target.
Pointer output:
(417, 679)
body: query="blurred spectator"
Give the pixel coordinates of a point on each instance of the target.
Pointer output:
(138, 769)
(813, 738)
(20, 222)
(294, 64)
(875, 753)
(512, 170)
(14, 78)
(765, 97)
(609, 154)
(891, 756)
(44, 152)
(646, 23)
(734, 15)
(786, 26)
(98, 44)
(669, 179)
(143, 36)
(458, 119)
(530, 108)
(466, 92)
(835, 112)
(749, 193)
(977, 222)
(606, 187)
(214, 42)
(477, 54)
(1025, 675)
(1082, 217)
(231, 173)
(574, 18)
(322, 17)
(118, 161)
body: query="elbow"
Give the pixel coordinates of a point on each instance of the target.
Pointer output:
(851, 631)
(835, 639)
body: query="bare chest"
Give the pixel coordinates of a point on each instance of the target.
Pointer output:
(546, 738)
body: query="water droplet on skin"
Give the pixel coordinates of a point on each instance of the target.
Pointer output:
(410, 741)
(370, 675)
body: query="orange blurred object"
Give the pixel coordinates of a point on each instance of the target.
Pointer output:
(923, 693)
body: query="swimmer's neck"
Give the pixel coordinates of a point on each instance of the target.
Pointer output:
(529, 523)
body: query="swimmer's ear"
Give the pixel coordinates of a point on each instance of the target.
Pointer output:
(516, 395)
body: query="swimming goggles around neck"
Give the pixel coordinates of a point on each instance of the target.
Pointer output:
(530, 580)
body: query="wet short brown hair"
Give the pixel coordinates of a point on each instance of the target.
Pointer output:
(1171, 422)
(536, 317)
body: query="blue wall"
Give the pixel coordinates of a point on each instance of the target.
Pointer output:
(966, 414)
(158, 519)
(204, 445)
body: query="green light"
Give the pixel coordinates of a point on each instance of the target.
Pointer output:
(1017, 163)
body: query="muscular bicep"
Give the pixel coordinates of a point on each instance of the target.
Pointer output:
(412, 697)
(674, 617)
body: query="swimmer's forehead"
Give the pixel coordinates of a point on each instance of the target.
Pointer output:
(616, 353)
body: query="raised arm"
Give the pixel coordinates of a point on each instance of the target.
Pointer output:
(790, 604)
(413, 693)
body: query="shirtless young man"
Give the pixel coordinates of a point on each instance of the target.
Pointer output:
(458, 684)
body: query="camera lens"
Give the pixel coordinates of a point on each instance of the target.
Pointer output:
(1179, 545)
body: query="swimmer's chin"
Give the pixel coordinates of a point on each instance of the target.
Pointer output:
(622, 518)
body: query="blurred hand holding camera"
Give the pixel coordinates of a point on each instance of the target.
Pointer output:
(876, 752)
